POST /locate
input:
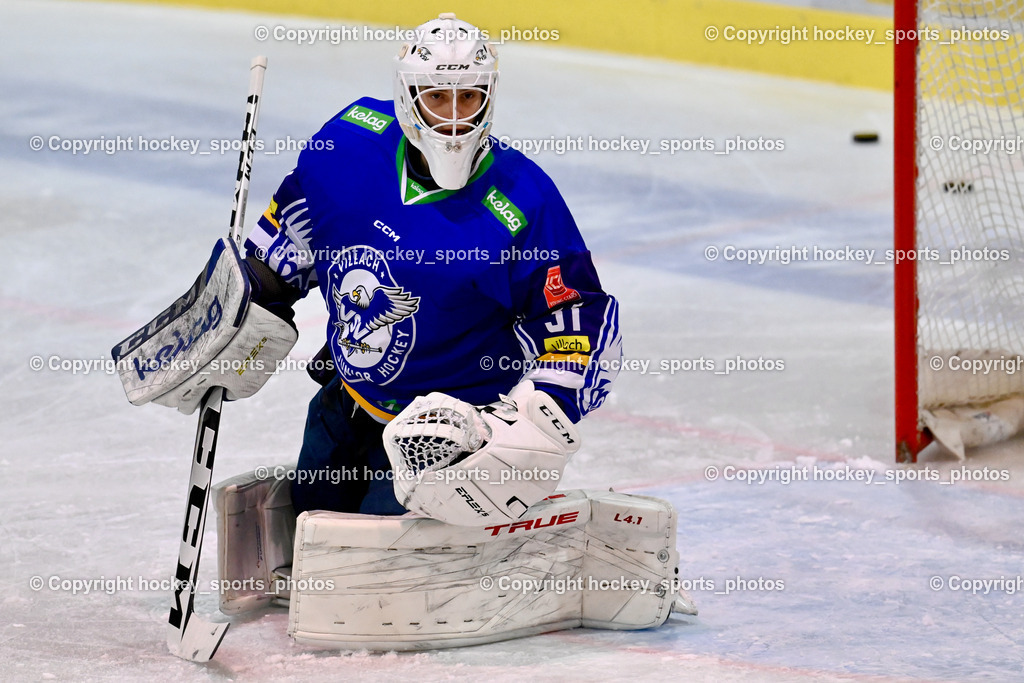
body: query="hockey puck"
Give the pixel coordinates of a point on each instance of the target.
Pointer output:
(957, 186)
(865, 136)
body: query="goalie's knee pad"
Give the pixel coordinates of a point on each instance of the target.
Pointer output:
(595, 559)
(255, 536)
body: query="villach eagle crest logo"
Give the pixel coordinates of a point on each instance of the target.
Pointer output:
(373, 317)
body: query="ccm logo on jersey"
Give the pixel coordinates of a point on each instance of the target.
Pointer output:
(386, 229)
(555, 291)
(453, 67)
(528, 524)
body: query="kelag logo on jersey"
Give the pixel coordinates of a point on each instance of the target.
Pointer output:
(367, 118)
(372, 315)
(504, 210)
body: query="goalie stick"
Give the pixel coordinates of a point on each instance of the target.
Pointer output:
(189, 636)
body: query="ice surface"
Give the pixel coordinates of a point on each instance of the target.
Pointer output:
(96, 244)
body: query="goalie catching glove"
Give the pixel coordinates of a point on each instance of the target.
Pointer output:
(478, 466)
(214, 335)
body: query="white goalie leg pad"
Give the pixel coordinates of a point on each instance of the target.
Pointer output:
(406, 583)
(632, 564)
(255, 538)
(958, 428)
(402, 583)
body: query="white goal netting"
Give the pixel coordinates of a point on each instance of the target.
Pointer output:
(970, 202)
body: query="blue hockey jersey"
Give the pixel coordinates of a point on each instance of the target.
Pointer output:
(465, 292)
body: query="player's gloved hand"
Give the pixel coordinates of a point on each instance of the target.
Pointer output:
(478, 466)
(214, 335)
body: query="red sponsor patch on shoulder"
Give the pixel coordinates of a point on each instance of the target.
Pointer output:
(555, 291)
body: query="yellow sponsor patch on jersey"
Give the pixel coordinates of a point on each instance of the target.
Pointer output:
(577, 358)
(271, 214)
(567, 344)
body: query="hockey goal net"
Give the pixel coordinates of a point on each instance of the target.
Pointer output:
(959, 191)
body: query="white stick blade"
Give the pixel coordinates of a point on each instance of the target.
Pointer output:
(198, 641)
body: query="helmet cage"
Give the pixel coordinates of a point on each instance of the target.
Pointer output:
(449, 126)
(453, 56)
(453, 147)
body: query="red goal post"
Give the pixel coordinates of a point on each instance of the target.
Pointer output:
(959, 210)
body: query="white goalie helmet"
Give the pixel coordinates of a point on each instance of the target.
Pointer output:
(444, 96)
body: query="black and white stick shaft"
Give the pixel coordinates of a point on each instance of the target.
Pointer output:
(189, 636)
(252, 111)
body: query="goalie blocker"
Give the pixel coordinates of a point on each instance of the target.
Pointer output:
(213, 335)
(579, 558)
